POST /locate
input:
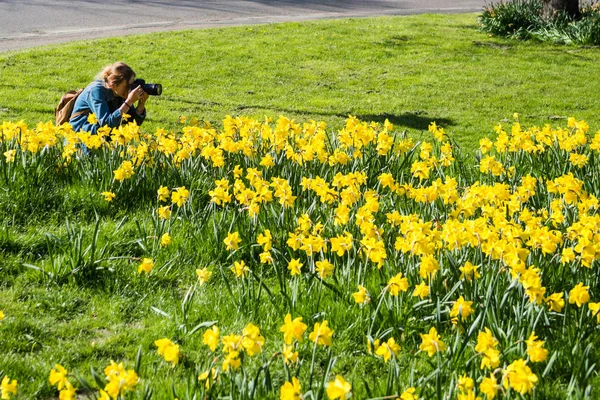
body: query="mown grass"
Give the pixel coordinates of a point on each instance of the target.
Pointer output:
(410, 70)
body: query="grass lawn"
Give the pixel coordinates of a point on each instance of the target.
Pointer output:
(408, 70)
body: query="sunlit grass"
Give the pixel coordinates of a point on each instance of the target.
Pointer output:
(411, 70)
(69, 281)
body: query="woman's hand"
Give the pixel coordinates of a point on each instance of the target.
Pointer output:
(143, 98)
(135, 95)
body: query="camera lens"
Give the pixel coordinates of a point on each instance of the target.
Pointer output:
(153, 89)
(158, 89)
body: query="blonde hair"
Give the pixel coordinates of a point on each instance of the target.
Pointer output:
(116, 73)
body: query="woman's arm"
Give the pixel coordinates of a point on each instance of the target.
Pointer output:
(127, 107)
(99, 106)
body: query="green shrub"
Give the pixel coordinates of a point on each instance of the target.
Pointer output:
(514, 19)
(521, 19)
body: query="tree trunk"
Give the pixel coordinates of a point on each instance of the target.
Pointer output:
(551, 7)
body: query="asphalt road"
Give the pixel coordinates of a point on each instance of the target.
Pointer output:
(32, 23)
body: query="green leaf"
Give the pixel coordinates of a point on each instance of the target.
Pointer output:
(138, 360)
(160, 312)
(205, 324)
(97, 378)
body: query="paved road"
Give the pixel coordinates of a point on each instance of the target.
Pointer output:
(30, 23)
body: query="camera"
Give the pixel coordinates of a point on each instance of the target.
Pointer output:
(153, 89)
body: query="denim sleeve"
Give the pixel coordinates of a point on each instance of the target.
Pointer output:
(99, 106)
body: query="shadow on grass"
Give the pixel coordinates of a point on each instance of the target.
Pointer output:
(410, 120)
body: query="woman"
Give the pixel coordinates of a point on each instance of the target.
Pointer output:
(109, 98)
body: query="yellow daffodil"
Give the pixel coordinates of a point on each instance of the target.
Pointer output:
(431, 342)
(203, 275)
(68, 392)
(108, 196)
(265, 240)
(179, 196)
(487, 347)
(58, 377)
(519, 377)
(555, 301)
(252, 340)
(489, 387)
(104, 395)
(465, 383)
(321, 334)
(266, 257)
(397, 284)
(165, 240)
(579, 295)
(291, 390)
(164, 212)
(289, 355)
(421, 290)
(232, 241)
(120, 380)
(146, 266)
(428, 267)
(469, 272)
(8, 388)
(92, 119)
(293, 329)
(294, 266)
(232, 361)
(409, 394)
(240, 269)
(9, 156)
(485, 145)
(211, 338)
(163, 193)
(231, 342)
(461, 309)
(267, 161)
(324, 268)
(338, 388)
(341, 244)
(388, 349)
(168, 349)
(535, 349)
(208, 377)
(362, 296)
(125, 171)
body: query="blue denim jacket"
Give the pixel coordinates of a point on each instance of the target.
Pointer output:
(101, 101)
